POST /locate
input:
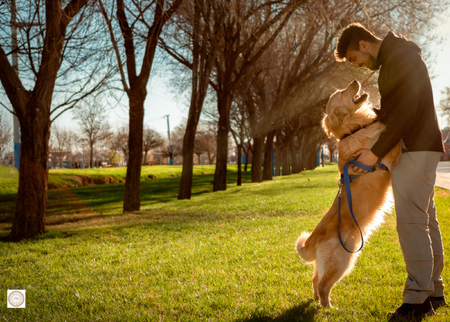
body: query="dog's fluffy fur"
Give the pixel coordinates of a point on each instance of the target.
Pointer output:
(371, 194)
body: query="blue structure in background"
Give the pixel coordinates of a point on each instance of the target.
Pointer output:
(323, 162)
(17, 155)
(320, 156)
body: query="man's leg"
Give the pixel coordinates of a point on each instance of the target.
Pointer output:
(438, 250)
(413, 185)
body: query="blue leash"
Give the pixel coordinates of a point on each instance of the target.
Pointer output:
(345, 180)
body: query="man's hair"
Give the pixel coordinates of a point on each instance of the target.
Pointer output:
(350, 38)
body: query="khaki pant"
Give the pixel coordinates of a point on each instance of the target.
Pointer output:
(418, 229)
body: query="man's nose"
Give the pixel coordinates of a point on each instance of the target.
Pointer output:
(355, 64)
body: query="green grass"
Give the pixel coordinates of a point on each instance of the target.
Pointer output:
(105, 199)
(226, 256)
(9, 177)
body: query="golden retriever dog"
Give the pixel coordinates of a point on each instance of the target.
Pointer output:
(353, 123)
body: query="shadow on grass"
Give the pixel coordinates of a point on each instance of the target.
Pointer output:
(305, 311)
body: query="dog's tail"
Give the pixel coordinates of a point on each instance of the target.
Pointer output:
(305, 249)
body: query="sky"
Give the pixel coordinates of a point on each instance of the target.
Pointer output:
(159, 103)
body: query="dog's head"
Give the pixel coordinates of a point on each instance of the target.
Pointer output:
(341, 106)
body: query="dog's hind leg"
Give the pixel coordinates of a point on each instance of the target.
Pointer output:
(315, 282)
(336, 267)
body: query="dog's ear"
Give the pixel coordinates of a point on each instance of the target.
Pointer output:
(340, 115)
(337, 117)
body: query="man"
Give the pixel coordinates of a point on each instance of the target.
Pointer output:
(408, 111)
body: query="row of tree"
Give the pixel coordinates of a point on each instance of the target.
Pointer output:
(268, 62)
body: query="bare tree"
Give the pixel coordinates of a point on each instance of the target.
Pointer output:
(248, 33)
(243, 31)
(57, 40)
(151, 140)
(139, 39)
(201, 146)
(239, 129)
(94, 128)
(117, 142)
(201, 26)
(62, 140)
(207, 136)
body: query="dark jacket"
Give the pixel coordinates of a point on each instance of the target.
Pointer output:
(407, 107)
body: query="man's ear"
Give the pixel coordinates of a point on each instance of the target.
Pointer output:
(363, 46)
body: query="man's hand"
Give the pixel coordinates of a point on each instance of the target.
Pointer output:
(365, 157)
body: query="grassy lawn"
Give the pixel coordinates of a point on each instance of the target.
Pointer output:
(9, 177)
(226, 256)
(105, 199)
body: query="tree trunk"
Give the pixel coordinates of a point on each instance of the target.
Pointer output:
(312, 160)
(267, 169)
(91, 156)
(33, 110)
(246, 162)
(220, 175)
(302, 156)
(184, 191)
(286, 170)
(239, 165)
(210, 158)
(31, 204)
(202, 65)
(132, 200)
(278, 161)
(144, 162)
(294, 161)
(258, 144)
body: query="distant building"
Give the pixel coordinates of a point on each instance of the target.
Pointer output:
(59, 158)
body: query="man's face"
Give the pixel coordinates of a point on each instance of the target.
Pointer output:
(362, 57)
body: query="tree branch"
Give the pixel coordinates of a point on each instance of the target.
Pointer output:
(14, 89)
(116, 48)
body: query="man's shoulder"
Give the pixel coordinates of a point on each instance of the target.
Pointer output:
(401, 57)
(402, 53)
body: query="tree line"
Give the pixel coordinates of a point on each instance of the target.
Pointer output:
(262, 68)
